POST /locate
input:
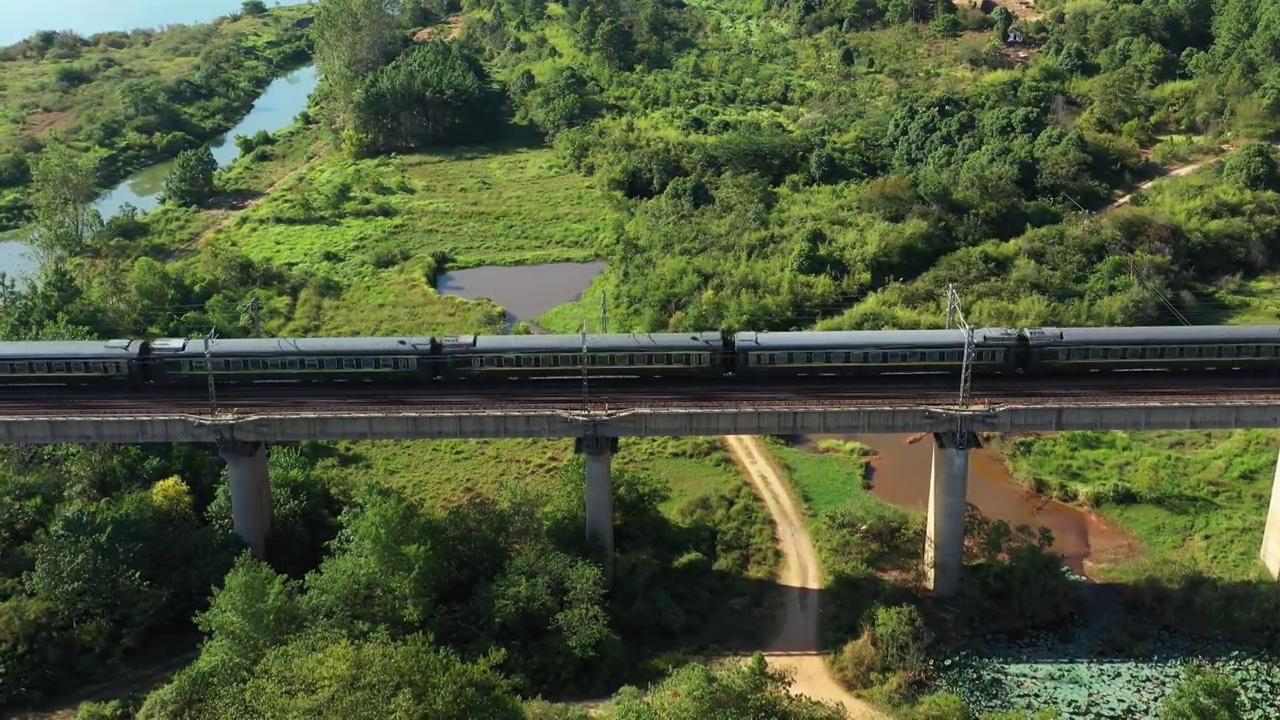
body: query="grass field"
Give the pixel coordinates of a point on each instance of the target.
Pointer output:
(437, 472)
(499, 205)
(1194, 497)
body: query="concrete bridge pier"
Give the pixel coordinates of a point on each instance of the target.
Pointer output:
(944, 532)
(250, 492)
(1271, 536)
(599, 455)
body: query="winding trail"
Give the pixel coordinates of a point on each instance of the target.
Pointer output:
(796, 646)
(1174, 173)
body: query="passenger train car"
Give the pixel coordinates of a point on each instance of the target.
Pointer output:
(645, 356)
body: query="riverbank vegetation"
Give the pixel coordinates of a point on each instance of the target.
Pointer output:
(134, 98)
(1021, 634)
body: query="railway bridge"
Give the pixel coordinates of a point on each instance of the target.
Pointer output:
(246, 419)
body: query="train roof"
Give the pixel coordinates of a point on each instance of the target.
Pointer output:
(1161, 335)
(184, 347)
(62, 349)
(633, 342)
(816, 341)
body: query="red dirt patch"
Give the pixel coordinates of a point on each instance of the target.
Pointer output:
(451, 31)
(43, 122)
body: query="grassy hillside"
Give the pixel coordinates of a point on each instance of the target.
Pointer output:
(135, 98)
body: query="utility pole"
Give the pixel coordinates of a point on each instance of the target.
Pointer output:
(586, 403)
(604, 318)
(955, 314)
(208, 366)
(254, 309)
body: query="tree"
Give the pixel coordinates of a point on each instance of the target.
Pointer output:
(1002, 20)
(253, 7)
(327, 677)
(559, 103)
(1202, 694)
(435, 94)
(191, 182)
(65, 185)
(353, 38)
(1254, 166)
(172, 498)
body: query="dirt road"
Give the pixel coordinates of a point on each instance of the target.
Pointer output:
(1176, 172)
(796, 646)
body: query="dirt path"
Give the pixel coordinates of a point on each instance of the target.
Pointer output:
(1174, 173)
(796, 646)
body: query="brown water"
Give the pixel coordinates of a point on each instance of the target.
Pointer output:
(525, 291)
(900, 475)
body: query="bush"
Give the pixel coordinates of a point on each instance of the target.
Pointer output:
(119, 709)
(191, 181)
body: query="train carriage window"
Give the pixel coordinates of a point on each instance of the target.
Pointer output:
(349, 363)
(6, 368)
(895, 357)
(23, 367)
(77, 367)
(274, 363)
(294, 364)
(1095, 353)
(59, 367)
(933, 356)
(389, 363)
(1228, 351)
(41, 367)
(368, 363)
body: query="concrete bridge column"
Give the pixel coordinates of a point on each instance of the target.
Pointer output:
(599, 454)
(944, 532)
(1271, 536)
(250, 492)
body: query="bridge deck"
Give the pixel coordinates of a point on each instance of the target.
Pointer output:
(284, 424)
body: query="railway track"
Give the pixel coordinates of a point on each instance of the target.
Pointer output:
(613, 394)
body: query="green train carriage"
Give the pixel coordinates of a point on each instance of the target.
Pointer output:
(390, 360)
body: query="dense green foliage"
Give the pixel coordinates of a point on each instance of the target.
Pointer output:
(99, 552)
(133, 98)
(433, 95)
(503, 584)
(733, 693)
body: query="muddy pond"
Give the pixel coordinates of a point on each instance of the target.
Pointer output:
(525, 291)
(900, 473)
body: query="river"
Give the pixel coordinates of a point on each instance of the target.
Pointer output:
(524, 291)
(274, 110)
(900, 474)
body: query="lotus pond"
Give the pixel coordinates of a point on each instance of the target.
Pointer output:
(1076, 673)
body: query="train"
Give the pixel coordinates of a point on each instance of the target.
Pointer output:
(741, 355)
